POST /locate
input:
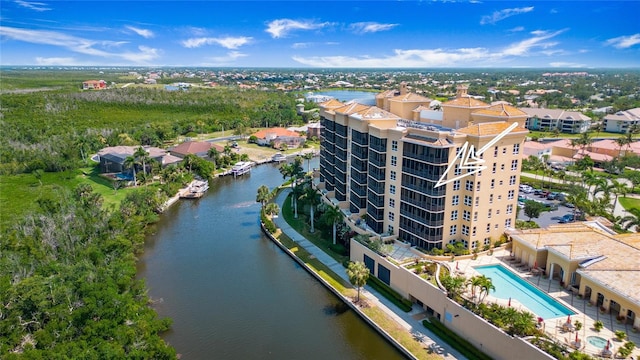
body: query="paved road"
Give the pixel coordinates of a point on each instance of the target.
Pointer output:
(406, 320)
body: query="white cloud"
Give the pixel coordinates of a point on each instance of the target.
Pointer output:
(623, 42)
(225, 60)
(467, 57)
(33, 5)
(301, 45)
(560, 64)
(305, 45)
(56, 61)
(282, 27)
(226, 42)
(145, 33)
(523, 47)
(517, 29)
(503, 14)
(77, 44)
(370, 27)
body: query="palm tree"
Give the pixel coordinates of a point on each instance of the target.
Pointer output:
(618, 188)
(453, 285)
(332, 215)
(358, 274)
(308, 156)
(524, 324)
(272, 209)
(214, 155)
(312, 197)
(474, 282)
(486, 285)
(263, 195)
(131, 162)
(621, 142)
(142, 155)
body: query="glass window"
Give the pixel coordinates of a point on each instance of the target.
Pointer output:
(392, 189)
(467, 200)
(510, 194)
(516, 149)
(468, 185)
(393, 175)
(456, 185)
(514, 164)
(455, 200)
(465, 230)
(394, 145)
(454, 215)
(394, 160)
(453, 229)
(512, 180)
(466, 215)
(488, 227)
(392, 216)
(392, 203)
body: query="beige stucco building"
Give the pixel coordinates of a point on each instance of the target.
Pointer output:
(403, 176)
(597, 264)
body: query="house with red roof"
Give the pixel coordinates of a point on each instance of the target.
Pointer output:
(198, 148)
(276, 137)
(94, 85)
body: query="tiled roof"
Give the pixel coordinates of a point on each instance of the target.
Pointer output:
(554, 114)
(387, 93)
(465, 101)
(374, 113)
(275, 132)
(491, 128)
(351, 108)
(410, 97)
(501, 110)
(331, 104)
(619, 265)
(627, 115)
(421, 107)
(192, 147)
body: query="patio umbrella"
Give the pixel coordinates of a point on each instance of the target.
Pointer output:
(576, 337)
(457, 266)
(569, 319)
(535, 265)
(509, 302)
(607, 347)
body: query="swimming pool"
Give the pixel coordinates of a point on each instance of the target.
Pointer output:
(510, 285)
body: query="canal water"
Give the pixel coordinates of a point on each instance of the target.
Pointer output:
(361, 97)
(232, 294)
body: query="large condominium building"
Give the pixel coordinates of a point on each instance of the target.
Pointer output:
(383, 164)
(622, 121)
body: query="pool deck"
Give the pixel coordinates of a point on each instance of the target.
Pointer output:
(586, 314)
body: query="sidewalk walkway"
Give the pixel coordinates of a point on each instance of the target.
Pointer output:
(406, 320)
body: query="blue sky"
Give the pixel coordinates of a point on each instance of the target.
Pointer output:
(326, 34)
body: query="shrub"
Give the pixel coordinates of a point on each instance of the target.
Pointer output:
(620, 335)
(598, 325)
(389, 293)
(453, 339)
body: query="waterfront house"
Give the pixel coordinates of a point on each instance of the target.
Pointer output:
(112, 158)
(198, 148)
(566, 121)
(94, 85)
(276, 137)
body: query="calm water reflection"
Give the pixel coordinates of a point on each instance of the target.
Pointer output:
(234, 295)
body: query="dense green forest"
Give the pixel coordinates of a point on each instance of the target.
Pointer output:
(67, 267)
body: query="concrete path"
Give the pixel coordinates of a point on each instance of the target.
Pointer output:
(412, 321)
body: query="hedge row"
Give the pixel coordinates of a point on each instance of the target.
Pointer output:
(451, 338)
(389, 293)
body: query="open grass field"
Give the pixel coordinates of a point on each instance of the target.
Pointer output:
(629, 203)
(19, 194)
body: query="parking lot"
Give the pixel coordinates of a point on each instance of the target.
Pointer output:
(546, 218)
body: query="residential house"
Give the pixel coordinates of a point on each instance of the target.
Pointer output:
(112, 158)
(94, 85)
(198, 148)
(276, 137)
(572, 122)
(622, 121)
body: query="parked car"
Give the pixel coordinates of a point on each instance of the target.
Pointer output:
(569, 205)
(537, 191)
(544, 193)
(567, 218)
(552, 196)
(526, 189)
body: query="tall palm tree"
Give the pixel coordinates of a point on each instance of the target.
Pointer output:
(131, 162)
(142, 155)
(474, 282)
(621, 142)
(618, 188)
(272, 209)
(453, 285)
(308, 156)
(214, 155)
(358, 274)
(486, 285)
(263, 195)
(332, 215)
(312, 197)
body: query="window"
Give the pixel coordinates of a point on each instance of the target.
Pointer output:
(392, 216)
(493, 183)
(392, 189)
(475, 216)
(465, 230)
(499, 197)
(512, 180)
(454, 215)
(496, 227)
(393, 175)
(489, 214)
(394, 145)
(490, 198)
(495, 151)
(457, 170)
(392, 203)
(474, 244)
(487, 240)
(507, 223)
(516, 149)
(478, 186)
(502, 167)
(390, 229)
(504, 150)
(514, 164)
(394, 160)
(509, 209)
(498, 212)
(456, 185)
(495, 165)
(453, 229)
(500, 183)
(474, 231)
(510, 194)
(488, 227)
(477, 200)
(467, 200)
(455, 200)
(468, 185)
(466, 215)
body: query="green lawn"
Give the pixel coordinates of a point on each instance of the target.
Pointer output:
(19, 194)
(629, 203)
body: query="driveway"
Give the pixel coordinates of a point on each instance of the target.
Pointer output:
(546, 218)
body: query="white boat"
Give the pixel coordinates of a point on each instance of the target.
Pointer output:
(278, 157)
(241, 168)
(195, 190)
